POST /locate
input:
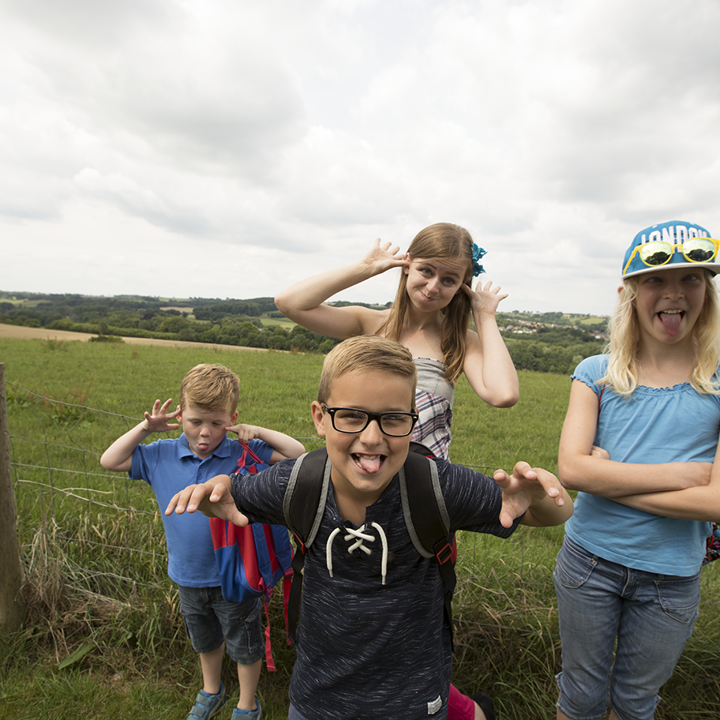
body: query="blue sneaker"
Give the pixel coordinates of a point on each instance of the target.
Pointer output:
(248, 714)
(207, 706)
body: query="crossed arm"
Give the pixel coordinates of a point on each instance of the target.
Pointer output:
(686, 490)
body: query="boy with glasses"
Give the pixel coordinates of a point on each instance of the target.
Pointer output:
(373, 639)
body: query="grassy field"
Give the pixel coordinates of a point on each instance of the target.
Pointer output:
(104, 637)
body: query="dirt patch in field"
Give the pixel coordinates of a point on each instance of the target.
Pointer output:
(27, 333)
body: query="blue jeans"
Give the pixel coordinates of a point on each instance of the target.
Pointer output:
(651, 616)
(210, 620)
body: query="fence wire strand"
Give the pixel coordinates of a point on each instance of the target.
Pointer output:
(88, 504)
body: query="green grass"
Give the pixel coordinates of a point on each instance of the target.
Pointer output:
(104, 637)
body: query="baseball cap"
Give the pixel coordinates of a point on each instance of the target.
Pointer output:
(673, 244)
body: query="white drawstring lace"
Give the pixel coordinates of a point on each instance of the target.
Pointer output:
(359, 537)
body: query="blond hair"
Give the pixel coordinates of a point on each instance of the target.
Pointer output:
(443, 241)
(210, 387)
(622, 372)
(367, 353)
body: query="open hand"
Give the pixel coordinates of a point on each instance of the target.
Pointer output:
(382, 257)
(157, 421)
(212, 498)
(484, 299)
(525, 488)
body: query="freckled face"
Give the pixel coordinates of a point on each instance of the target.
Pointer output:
(432, 284)
(669, 303)
(363, 464)
(205, 429)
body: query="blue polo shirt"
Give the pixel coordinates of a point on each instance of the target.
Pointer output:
(168, 466)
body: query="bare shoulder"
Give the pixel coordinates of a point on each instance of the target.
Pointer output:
(369, 319)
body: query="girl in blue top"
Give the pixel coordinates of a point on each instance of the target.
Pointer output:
(638, 443)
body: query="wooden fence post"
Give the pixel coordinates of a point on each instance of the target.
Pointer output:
(12, 610)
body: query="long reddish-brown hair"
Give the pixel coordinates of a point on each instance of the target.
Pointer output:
(442, 241)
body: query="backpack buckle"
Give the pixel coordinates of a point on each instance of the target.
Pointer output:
(301, 544)
(444, 553)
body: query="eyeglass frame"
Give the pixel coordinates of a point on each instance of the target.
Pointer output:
(370, 417)
(638, 250)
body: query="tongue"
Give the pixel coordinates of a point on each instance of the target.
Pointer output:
(369, 464)
(671, 322)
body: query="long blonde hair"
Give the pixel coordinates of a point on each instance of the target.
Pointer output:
(443, 241)
(622, 372)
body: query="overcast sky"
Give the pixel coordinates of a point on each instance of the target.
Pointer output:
(228, 148)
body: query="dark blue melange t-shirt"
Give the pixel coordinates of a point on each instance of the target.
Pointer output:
(367, 650)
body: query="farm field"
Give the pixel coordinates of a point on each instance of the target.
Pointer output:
(104, 637)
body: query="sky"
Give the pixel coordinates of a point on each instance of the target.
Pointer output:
(229, 148)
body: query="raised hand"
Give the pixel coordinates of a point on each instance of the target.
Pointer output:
(484, 299)
(157, 420)
(382, 257)
(245, 433)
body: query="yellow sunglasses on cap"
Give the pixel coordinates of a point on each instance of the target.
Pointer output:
(659, 252)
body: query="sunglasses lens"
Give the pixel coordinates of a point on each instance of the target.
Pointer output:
(698, 250)
(656, 253)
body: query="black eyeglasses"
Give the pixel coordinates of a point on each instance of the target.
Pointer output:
(351, 420)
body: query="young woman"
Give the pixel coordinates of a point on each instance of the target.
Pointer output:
(638, 443)
(430, 316)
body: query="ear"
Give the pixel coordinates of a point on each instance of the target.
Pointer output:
(620, 289)
(234, 418)
(406, 266)
(318, 417)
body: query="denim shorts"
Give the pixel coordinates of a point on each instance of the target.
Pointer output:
(210, 620)
(650, 616)
(295, 714)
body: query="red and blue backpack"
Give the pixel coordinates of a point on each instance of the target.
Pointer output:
(251, 560)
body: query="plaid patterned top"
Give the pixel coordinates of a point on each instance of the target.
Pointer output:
(434, 398)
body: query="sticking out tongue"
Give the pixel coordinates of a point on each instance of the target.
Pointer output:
(369, 464)
(671, 321)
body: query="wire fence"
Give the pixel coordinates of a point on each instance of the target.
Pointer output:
(108, 530)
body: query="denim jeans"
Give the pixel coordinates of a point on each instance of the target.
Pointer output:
(651, 616)
(210, 620)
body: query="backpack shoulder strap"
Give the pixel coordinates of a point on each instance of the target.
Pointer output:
(303, 507)
(426, 515)
(306, 494)
(427, 519)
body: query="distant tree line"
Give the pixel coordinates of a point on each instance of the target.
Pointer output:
(557, 344)
(225, 322)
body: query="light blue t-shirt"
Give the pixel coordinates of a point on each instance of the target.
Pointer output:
(168, 466)
(652, 426)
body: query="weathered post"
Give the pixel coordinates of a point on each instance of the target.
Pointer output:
(11, 607)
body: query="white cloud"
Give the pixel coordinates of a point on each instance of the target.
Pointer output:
(290, 135)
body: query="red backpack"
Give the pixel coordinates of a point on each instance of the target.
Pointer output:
(251, 560)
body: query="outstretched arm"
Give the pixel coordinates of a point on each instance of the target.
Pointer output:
(488, 365)
(303, 302)
(213, 498)
(118, 457)
(582, 469)
(536, 493)
(283, 445)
